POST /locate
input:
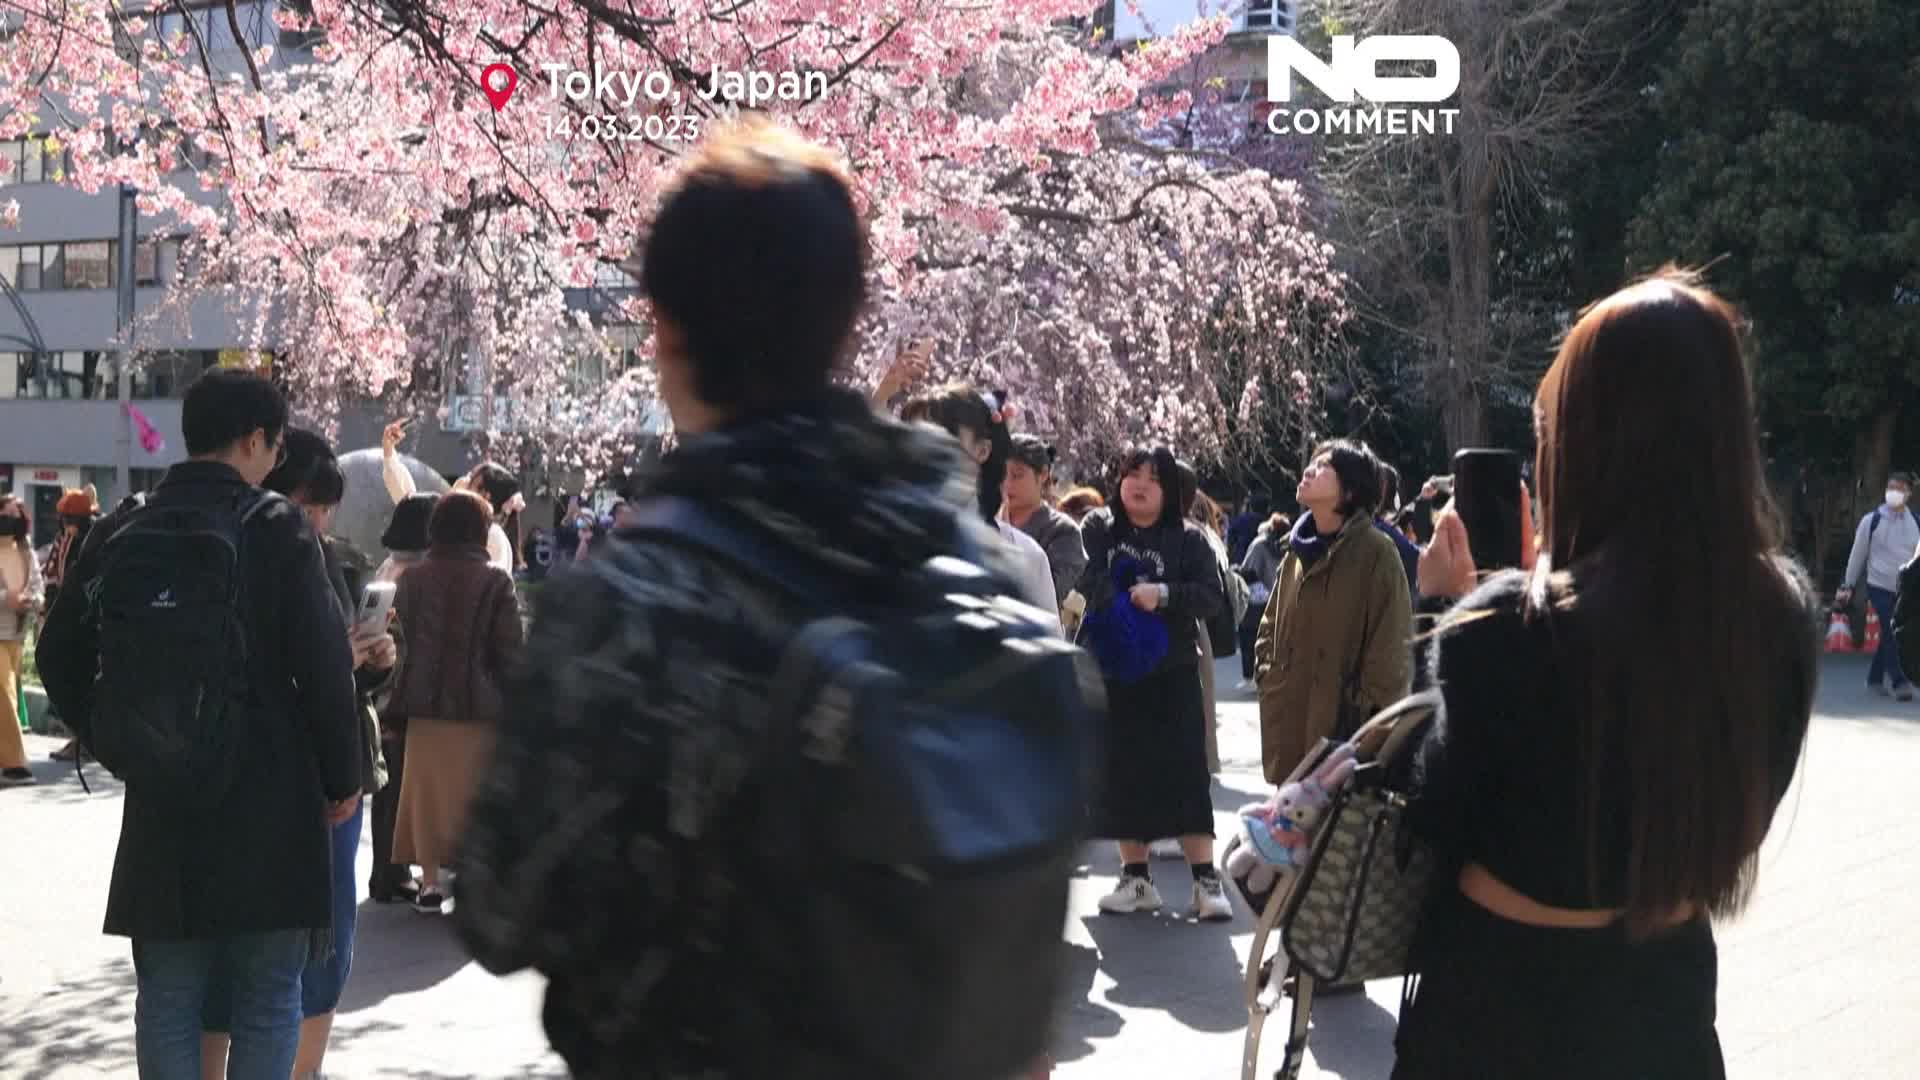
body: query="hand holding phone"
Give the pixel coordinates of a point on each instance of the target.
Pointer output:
(1447, 565)
(376, 604)
(1487, 496)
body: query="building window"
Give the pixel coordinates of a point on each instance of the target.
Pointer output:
(32, 160)
(89, 375)
(73, 375)
(1271, 16)
(90, 265)
(83, 264)
(39, 266)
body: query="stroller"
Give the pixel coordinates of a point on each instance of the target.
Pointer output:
(1348, 911)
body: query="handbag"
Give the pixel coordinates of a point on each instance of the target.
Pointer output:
(1352, 915)
(1351, 912)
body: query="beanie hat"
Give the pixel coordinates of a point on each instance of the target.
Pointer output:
(76, 503)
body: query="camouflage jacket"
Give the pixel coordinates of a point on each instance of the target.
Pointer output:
(606, 848)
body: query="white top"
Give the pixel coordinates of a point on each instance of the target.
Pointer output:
(1036, 574)
(400, 485)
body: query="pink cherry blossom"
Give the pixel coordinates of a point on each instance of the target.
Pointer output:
(1065, 218)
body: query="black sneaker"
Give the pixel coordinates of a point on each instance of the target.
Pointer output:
(430, 902)
(16, 778)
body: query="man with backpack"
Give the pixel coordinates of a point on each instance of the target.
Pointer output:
(788, 786)
(198, 653)
(1883, 543)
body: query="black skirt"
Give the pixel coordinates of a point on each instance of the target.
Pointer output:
(1501, 999)
(1155, 782)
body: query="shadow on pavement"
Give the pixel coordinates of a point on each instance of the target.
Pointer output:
(1167, 961)
(80, 1023)
(57, 784)
(1227, 800)
(1079, 1019)
(398, 951)
(1351, 1037)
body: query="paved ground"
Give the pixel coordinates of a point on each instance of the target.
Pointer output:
(1816, 981)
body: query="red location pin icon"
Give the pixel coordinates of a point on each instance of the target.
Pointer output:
(497, 82)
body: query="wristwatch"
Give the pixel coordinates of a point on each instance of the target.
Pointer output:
(1166, 594)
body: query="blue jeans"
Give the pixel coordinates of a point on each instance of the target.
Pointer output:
(323, 981)
(1886, 659)
(263, 971)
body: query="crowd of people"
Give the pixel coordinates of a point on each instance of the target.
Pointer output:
(598, 797)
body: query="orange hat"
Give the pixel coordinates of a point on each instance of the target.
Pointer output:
(76, 503)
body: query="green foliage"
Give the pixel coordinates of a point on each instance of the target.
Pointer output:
(1788, 162)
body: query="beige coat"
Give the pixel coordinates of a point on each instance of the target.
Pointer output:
(1332, 637)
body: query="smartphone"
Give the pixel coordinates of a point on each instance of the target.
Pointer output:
(1486, 495)
(375, 604)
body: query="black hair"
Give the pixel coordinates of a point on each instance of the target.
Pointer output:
(1389, 489)
(407, 529)
(227, 405)
(310, 474)
(1259, 505)
(496, 483)
(758, 257)
(1358, 471)
(1166, 469)
(499, 486)
(958, 405)
(1901, 478)
(1034, 452)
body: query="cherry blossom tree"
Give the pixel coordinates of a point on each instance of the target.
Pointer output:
(341, 159)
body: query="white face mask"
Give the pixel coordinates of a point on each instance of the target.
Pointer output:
(1896, 498)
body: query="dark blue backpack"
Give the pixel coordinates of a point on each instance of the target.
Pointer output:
(921, 805)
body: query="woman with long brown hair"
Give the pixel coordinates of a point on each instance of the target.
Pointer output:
(1620, 722)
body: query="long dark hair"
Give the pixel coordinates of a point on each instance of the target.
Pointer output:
(1659, 534)
(958, 405)
(499, 486)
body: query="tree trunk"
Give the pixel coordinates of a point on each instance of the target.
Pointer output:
(1469, 295)
(1872, 459)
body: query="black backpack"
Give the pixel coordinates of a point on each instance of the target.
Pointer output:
(169, 703)
(920, 808)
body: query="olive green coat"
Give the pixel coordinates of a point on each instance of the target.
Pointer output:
(1334, 638)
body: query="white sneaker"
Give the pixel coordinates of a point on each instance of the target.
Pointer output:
(1243, 686)
(1210, 901)
(1131, 895)
(1166, 849)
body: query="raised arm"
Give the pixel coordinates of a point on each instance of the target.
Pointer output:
(392, 470)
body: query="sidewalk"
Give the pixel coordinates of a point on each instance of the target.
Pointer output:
(1815, 981)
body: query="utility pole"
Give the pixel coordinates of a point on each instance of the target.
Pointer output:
(123, 325)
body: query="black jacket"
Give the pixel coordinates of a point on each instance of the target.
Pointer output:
(349, 571)
(260, 862)
(639, 719)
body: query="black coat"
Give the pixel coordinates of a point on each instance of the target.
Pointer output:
(260, 862)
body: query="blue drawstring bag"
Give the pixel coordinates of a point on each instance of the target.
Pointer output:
(1128, 642)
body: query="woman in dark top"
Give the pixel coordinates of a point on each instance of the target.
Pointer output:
(1156, 780)
(1619, 724)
